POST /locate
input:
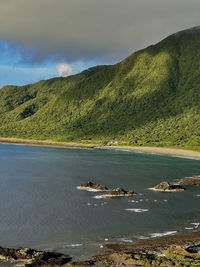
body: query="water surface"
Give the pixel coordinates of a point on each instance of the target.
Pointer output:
(41, 208)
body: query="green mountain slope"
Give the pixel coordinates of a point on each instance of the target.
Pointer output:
(150, 98)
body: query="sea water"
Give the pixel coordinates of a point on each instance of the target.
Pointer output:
(41, 208)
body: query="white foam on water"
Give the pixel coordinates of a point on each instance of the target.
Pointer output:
(127, 240)
(197, 195)
(196, 225)
(89, 189)
(106, 239)
(137, 210)
(155, 200)
(89, 204)
(162, 234)
(189, 228)
(101, 246)
(74, 245)
(141, 200)
(142, 237)
(99, 197)
(165, 200)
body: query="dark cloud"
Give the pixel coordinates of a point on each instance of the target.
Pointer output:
(107, 30)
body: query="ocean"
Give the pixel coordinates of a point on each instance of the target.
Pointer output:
(41, 207)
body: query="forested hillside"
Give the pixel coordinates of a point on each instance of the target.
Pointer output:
(150, 98)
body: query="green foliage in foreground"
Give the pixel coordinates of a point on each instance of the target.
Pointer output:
(150, 98)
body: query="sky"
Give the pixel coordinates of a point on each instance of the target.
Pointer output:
(40, 39)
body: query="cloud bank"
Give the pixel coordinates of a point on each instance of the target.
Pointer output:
(64, 69)
(105, 30)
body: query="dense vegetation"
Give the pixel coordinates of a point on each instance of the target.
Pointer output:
(150, 98)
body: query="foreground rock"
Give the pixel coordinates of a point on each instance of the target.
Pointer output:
(118, 192)
(164, 251)
(191, 181)
(32, 258)
(167, 187)
(174, 256)
(90, 186)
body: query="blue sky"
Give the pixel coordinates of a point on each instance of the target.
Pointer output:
(14, 70)
(48, 38)
(20, 74)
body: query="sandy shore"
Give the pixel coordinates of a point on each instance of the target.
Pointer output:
(16, 141)
(159, 150)
(151, 150)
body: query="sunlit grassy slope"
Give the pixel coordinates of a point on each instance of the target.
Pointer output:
(150, 98)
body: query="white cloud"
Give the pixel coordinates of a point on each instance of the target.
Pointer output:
(64, 69)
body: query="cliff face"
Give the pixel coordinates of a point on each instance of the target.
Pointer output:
(152, 97)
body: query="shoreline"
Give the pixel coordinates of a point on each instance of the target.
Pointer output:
(170, 249)
(175, 152)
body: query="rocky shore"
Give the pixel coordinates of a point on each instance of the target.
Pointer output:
(167, 187)
(33, 258)
(165, 252)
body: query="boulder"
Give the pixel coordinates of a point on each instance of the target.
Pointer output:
(94, 186)
(33, 258)
(191, 181)
(118, 192)
(165, 186)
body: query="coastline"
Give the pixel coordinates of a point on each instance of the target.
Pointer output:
(176, 152)
(122, 254)
(161, 251)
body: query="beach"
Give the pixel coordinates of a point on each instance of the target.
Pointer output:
(140, 149)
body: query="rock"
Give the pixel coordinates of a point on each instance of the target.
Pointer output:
(118, 192)
(167, 187)
(33, 258)
(191, 181)
(93, 186)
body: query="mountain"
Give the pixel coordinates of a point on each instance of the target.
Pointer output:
(150, 98)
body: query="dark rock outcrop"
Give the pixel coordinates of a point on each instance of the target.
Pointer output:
(167, 187)
(33, 258)
(121, 192)
(191, 181)
(93, 186)
(118, 192)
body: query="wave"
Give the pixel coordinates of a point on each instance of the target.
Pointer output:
(196, 225)
(98, 197)
(127, 240)
(137, 210)
(153, 235)
(74, 245)
(142, 237)
(89, 189)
